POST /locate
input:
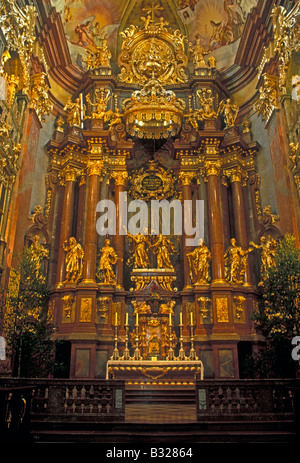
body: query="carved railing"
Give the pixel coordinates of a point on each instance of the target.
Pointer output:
(240, 399)
(80, 400)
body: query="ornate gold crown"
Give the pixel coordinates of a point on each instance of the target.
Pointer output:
(153, 112)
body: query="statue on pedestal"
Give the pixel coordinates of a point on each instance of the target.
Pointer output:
(236, 259)
(268, 251)
(139, 256)
(108, 257)
(163, 249)
(199, 260)
(73, 260)
(37, 253)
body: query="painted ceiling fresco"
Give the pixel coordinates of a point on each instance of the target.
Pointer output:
(217, 23)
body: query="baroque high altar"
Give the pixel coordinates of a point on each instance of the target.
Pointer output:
(149, 130)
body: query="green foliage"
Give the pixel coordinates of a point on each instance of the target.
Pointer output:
(278, 315)
(28, 329)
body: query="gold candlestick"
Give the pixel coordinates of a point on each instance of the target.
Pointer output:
(116, 354)
(137, 354)
(171, 350)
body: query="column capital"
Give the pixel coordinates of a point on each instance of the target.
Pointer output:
(68, 174)
(212, 167)
(236, 174)
(120, 177)
(96, 168)
(186, 177)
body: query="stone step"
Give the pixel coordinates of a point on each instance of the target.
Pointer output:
(159, 396)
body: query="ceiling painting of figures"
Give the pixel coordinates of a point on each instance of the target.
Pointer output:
(217, 23)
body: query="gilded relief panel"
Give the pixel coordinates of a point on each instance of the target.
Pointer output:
(221, 304)
(68, 309)
(85, 314)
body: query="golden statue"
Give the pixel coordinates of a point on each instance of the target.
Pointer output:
(140, 307)
(140, 258)
(268, 251)
(236, 259)
(102, 96)
(230, 112)
(163, 248)
(167, 308)
(206, 101)
(73, 109)
(199, 260)
(198, 54)
(37, 253)
(108, 257)
(73, 260)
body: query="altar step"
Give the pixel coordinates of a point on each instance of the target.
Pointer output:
(159, 395)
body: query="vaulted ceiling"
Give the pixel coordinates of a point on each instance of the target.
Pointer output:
(233, 31)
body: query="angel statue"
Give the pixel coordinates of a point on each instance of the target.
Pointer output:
(73, 260)
(230, 112)
(236, 259)
(102, 96)
(268, 251)
(139, 257)
(163, 248)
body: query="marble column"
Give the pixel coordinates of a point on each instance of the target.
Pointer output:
(212, 170)
(70, 175)
(236, 177)
(186, 179)
(120, 178)
(95, 172)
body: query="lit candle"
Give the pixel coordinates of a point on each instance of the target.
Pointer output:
(191, 318)
(137, 319)
(180, 318)
(170, 318)
(126, 323)
(116, 318)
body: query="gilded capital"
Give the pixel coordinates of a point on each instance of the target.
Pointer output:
(96, 168)
(120, 177)
(187, 177)
(68, 174)
(236, 174)
(212, 168)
